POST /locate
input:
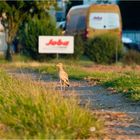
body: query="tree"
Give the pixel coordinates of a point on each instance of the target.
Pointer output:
(28, 35)
(14, 14)
(12, 17)
(71, 3)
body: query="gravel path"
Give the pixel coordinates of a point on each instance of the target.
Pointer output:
(122, 117)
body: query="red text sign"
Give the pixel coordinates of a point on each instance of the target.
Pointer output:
(56, 44)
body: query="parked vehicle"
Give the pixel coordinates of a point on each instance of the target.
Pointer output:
(76, 20)
(61, 25)
(130, 44)
(93, 20)
(60, 19)
(104, 18)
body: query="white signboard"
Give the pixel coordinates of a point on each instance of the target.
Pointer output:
(56, 44)
(104, 20)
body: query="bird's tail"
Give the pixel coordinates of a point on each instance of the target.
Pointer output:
(67, 83)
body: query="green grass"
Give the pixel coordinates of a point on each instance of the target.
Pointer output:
(84, 61)
(74, 71)
(119, 81)
(2, 59)
(15, 58)
(123, 82)
(31, 111)
(21, 58)
(128, 83)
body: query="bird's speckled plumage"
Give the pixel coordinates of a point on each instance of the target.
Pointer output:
(63, 76)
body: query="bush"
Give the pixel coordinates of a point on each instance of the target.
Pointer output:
(131, 57)
(78, 49)
(102, 49)
(29, 35)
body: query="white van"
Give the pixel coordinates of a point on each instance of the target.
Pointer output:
(93, 20)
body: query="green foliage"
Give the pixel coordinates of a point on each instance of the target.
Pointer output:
(42, 113)
(21, 58)
(29, 34)
(13, 17)
(45, 4)
(16, 13)
(78, 49)
(11, 20)
(131, 57)
(102, 49)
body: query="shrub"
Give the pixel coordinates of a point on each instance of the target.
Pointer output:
(131, 57)
(29, 34)
(78, 49)
(102, 49)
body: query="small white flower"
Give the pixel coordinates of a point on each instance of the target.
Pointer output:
(92, 129)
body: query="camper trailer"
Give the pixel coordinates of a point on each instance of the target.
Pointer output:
(93, 20)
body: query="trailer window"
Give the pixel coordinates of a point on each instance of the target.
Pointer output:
(104, 20)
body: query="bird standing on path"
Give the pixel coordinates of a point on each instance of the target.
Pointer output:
(63, 76)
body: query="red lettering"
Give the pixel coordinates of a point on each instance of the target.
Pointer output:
(58, 43)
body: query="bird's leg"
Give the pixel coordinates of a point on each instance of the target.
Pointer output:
(61, 85)
(64, 86)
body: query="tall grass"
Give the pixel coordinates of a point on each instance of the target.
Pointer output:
(30, 110)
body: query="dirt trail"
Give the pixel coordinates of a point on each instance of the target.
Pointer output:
(122, 117)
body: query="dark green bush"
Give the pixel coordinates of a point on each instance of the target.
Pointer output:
(102, 49)
(29, 34)
(78, 49)
(131, 57)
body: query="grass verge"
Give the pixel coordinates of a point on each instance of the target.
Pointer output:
(126, 82)
(33, 111)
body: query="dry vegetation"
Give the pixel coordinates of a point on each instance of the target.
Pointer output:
(30, 110)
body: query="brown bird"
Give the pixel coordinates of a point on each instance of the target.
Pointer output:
(63, 76)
